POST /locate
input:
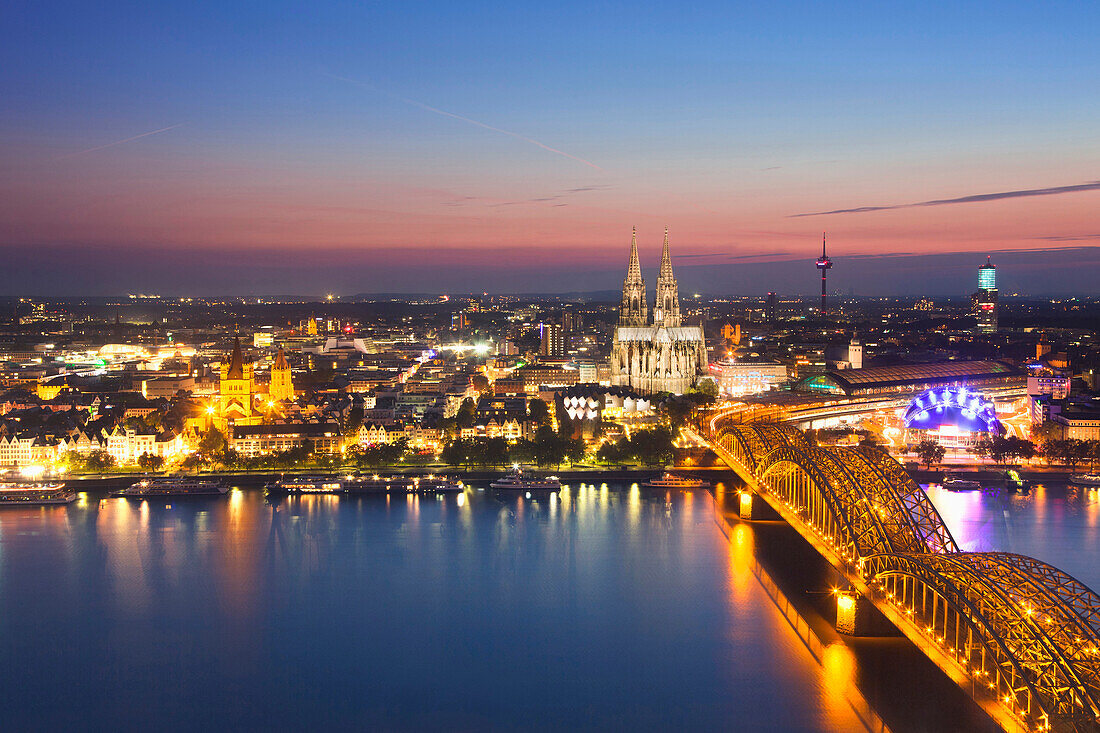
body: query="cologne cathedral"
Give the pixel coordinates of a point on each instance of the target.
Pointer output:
(657, 355)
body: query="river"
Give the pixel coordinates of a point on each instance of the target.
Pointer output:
(602, 608)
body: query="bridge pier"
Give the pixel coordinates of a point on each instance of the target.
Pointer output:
(751, 506)
(857, 616)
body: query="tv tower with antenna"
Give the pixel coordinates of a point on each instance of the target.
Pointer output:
(824, 264)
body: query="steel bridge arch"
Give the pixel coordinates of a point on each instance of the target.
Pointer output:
(1024, 628)
(908, 509)
(875, 509)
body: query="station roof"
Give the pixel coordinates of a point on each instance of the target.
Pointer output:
(871, 379)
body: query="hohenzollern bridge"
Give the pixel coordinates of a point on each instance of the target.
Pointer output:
(1021, 636)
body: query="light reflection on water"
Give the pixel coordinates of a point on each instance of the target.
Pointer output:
(597, 607)
(1055, 523)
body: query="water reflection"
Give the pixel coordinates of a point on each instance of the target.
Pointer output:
(396, 613)
(1055, 523)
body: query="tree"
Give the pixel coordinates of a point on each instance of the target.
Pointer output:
(651, 447)
(353, 422)
(464, 418)
(522, 451)
(230, 459)
(869, 439)
(150, 462)
(678, 411)
(609, 453)
(983, 448)
(212, 442)
(549, 448)
(99, 460)
(481, 383)
(1049, 449)
(538, 411)
(575, 449)
(461, 452)
(707, 388)
(930, 452)
(495, 452)
(1026, 449)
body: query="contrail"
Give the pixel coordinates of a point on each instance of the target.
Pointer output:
(974, 198)
(445, 113)
(120, 142)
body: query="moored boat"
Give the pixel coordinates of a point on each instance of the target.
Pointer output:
(1085, 479)
(955, 483)
(376, 483)
(305, 485)
(675, 481)
(172, 486)
(14, 493)
(436, 483)
(519, 481)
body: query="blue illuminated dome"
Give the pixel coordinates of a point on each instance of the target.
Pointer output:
(954, 406)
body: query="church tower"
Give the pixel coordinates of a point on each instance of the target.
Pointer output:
(236, 388)
(666, 309)
(281, 386)
(634, 310)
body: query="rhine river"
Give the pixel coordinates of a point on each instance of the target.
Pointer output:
(597, 609)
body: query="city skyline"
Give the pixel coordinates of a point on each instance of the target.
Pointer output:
(206, 151)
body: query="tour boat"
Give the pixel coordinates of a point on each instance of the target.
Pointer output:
(306, 485)
(517, 480)
(675, 481)
(436, 483)
(369, 484)
(375, 483)
(954, 483)
(34, 494)
(1085, 479)
(172, 487)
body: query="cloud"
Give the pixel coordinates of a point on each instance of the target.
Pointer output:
(1070, 238)
(445, 113)
(593, 187)
(972, 199)
(120, 142)
(731, 256)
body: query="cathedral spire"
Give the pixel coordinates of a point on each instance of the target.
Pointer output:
(634, 269)
(634, 310)
(666, 261)
(666, 309)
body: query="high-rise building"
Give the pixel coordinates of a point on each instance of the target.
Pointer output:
(985, 300)
(571, 321)
(770, 308)
(553, 340)
(458, 321)
(824, 264)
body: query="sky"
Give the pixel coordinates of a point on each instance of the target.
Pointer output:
(219, 148)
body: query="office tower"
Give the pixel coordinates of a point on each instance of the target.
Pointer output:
(553, 340)
(985, 300)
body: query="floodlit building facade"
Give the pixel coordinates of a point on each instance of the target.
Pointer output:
(659, 354)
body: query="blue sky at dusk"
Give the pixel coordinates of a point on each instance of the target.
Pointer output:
(206, 148)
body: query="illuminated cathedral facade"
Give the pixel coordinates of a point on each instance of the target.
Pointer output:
(657, 354)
